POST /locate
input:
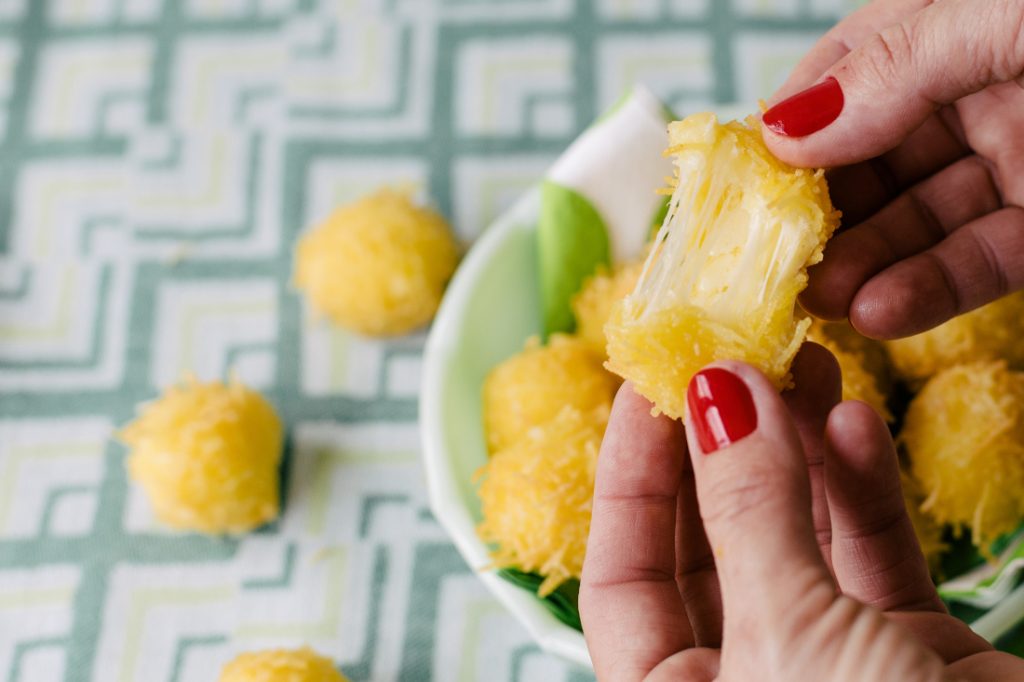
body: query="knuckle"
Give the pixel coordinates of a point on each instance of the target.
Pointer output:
(886, 54)
(738, 493)
(808, 628)
(946, 280)
(1008, 63)
(823, 536)
(879, 646)
(992, 265)
(820, 611)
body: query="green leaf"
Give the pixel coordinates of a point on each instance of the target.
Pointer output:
(991, 582)
(572, 241)
(563, 603)
(668, 114)
(1013, 641)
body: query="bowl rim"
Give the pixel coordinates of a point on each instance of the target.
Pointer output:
(442, 487)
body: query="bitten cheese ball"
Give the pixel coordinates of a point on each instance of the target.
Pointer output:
(207, 456)
(531, 387)
(593, 305)
(725, 270)
(536, 497)
(281, 665)
(964, 435)
(378, 266)
(992, 332)
(859, 361)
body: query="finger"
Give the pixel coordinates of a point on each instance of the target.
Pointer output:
(993, 115)
(632, 614)
(975, 265)
(862, 189)
(875, 554)
(987, 665)
(692, 665)
(817, 389)
(949, 637)
(696, 576)
(886, 87)
(915, 221)
(842, 38)
(754, 497)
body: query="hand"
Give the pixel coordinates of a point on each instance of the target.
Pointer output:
(815, 574)
(929, 111)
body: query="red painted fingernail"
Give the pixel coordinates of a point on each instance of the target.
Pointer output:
(721, 408)
(806, 112)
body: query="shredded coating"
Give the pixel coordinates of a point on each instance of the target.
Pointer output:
(726, 267)
(207, 456)
(593, 305)
(861, 361)
(378, 266)
(992, 332)
(928, 532)
(964, 435)
(536, 497)
(281, 665)
(531, 387)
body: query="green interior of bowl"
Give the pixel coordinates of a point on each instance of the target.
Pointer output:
(502, 310)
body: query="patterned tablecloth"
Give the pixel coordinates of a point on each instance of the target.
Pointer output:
(157, 160)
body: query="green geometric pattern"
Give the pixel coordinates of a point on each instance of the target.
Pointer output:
(158, 158)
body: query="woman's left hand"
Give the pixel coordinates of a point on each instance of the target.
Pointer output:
(778, 549)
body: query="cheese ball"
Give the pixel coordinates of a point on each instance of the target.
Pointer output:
(872, 353)
(928, 532)
(593, 305)
(992, 332)
(536, 497)
(531, 387)
(859, 361)
(725, 270)
(281, 665)
(378, 266)
(964, 435)
(207, 456)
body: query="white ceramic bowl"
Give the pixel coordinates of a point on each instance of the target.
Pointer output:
(491, 307)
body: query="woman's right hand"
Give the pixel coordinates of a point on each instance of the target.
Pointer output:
(918, 106)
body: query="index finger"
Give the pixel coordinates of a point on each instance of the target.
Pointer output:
(755, 499)
(842, 38)
(633, 615)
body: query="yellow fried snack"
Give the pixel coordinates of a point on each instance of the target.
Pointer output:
(727, 265)
(536, 497)
(872, 353)
(929, 533)
(532, 386)
(207, 456)
(964, 435)
(856, 361)
(378, 266)
(992, 332)
(593, 305)
(281, 665)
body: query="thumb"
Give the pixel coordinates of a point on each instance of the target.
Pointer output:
(754, 498)
(879, 93)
